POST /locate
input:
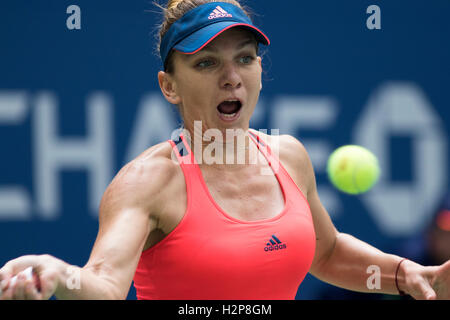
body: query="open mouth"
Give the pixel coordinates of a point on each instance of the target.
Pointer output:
(229, 110)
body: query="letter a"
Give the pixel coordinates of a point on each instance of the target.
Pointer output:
(374, 281)
(74, 20)
(74, 279)
(374, 21)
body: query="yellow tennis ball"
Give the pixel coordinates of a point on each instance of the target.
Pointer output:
(353, 169)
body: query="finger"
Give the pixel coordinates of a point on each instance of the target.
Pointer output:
(426, 291)
(21, 282)
(31, 292)
(16, 265)
(7, 294)
(5, 276)
(26, 286)
(13, 267)
(5, 285)
(18, 287)
(48, 283)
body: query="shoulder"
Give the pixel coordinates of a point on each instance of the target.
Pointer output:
(140, 184)
(289, 148)
(155, 163)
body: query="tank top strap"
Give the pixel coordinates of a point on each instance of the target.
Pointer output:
(188, 164)
(286, 182)
(265, 149)
(182, 150)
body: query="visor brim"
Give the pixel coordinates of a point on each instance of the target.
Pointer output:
(199, 39)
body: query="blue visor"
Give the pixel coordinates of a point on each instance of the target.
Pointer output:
(201, 25)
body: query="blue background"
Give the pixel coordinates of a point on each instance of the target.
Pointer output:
(319, 50)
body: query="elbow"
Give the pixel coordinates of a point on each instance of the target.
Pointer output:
(117, 296)
(113, 291)
(323, 256)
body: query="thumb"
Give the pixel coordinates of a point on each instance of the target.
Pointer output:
(427, 292)
(13, 267)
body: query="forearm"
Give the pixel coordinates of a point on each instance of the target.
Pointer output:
(358, 266)
(76, 283)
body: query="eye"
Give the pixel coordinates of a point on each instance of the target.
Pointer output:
(246, 59)
(205, 63)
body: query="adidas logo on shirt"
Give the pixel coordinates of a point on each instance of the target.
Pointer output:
(274, 244)
(218, 12)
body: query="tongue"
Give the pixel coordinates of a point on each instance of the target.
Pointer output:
(228, 107)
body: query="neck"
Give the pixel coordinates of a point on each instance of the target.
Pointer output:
(229, 150)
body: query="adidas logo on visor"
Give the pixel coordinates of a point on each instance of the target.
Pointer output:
(218, 12)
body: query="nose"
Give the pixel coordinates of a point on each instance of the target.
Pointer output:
(230, 78)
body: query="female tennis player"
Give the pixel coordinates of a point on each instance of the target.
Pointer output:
(189, 229)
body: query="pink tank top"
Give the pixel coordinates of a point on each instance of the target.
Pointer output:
(213, 256)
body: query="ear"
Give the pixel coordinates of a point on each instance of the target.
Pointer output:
(260, 65)
(167, 85)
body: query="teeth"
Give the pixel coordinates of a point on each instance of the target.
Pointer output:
(228, 115)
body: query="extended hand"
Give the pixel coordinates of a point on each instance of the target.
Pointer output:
(23, 287)
(427, 283)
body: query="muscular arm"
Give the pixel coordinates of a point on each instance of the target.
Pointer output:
(125, 221)
(113, 260)
(340, 259)
(343, 260)
(129, 212)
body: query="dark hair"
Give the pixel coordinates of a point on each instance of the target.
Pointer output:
(174, 10)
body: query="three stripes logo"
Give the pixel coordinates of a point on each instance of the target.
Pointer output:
(274, 244)
(218, 12)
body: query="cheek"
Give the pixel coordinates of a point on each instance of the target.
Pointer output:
(255, 77)
(194, 95)
(253, 85)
